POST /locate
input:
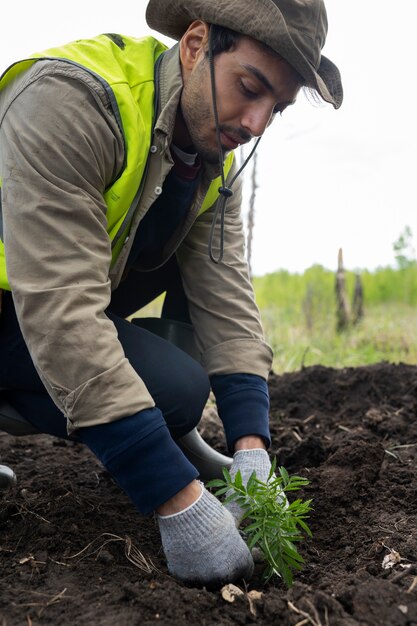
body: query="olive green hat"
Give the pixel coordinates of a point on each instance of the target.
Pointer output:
(295, 29)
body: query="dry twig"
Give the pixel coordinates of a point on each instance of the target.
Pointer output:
(53, 600)
(131, 552)
(408, 569)
(296, 435)
(315, 620)
(309, 418)
(345, 428)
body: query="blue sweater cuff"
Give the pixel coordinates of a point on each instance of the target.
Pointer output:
(243, 406)
(142, 457)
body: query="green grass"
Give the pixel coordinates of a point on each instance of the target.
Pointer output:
(289, 291)
(153, 309)
(387, 333)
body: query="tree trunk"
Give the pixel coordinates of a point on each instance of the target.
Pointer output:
(342, 312)
(251, 213)
(357, 306)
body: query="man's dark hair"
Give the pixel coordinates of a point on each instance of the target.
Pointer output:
(223, 39)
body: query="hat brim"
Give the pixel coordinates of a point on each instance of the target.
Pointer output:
(173, 17)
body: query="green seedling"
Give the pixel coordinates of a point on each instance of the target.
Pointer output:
(274, 525)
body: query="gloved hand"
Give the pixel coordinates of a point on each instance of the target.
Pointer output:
(202, 545)
(248, 461)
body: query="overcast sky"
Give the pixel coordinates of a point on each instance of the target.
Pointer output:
(327, 179)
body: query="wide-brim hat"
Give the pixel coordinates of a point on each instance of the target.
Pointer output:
(295, 29)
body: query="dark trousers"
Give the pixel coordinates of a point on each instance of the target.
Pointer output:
(177, 383)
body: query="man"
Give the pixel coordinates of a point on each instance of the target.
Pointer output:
(118, 183)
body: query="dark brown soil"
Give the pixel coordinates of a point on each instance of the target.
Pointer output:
(66, 533)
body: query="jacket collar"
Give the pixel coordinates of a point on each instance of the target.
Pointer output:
(170, 88)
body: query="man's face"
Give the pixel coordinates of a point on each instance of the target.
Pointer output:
(252, 86)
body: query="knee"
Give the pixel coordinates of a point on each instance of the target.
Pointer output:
(188, 393)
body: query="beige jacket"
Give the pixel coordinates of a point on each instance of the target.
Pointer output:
(60, 147)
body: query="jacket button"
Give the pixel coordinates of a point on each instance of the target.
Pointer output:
(158, 190)
(154, 149)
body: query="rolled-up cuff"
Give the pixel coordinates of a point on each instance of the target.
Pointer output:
(243, 406)
(252, 356)
(121, 391)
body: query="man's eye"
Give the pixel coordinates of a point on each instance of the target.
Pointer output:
(246, 91)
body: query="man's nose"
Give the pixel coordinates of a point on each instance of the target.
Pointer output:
(256, 119)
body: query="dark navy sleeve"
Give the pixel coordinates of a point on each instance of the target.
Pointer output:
(243, 406)
(142, 457)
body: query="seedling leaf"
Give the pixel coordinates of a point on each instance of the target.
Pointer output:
(273, 523)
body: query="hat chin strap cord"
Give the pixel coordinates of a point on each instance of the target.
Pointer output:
(225, 191)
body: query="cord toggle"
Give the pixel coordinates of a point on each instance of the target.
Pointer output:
(225, 191)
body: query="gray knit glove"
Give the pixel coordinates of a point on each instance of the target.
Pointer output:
(202, 545)
(248, 461)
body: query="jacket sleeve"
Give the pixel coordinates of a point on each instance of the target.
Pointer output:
(221, 299)
(59, 151)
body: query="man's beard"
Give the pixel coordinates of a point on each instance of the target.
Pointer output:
(198, 116)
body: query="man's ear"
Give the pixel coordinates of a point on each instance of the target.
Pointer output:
(193, 44)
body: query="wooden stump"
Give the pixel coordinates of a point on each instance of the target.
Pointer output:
(342, 311)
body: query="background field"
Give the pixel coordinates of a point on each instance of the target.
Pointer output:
(299, 317)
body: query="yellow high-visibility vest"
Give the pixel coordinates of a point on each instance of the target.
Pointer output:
(125, 66)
